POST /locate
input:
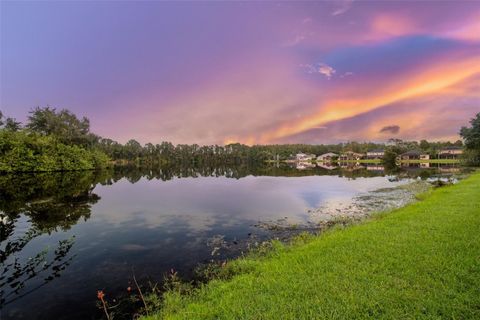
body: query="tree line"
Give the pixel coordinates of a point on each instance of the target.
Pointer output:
(57, 140)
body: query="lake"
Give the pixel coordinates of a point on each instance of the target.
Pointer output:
(66, 235)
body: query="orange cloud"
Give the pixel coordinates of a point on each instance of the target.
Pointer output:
(436, 79)
(469, 31)
(391, 25)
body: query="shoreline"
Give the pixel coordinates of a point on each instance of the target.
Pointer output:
(177, 304)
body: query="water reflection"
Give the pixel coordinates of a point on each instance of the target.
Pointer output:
(98, 225)
(30, 206)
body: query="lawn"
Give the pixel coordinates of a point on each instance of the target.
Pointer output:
(418, 262)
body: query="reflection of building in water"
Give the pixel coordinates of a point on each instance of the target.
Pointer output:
(305, 165)
(453, 152)
(426, 169)
(448, 167)
(327, 157)
(327, 165)
(375, 168)
(409, 165)
(351, 166)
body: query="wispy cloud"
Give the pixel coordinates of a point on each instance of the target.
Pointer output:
(307, 20)
(298, 38)
(346, 74)
(342, 6)
(321, 68)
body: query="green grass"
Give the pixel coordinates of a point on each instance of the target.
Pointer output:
(418, 262)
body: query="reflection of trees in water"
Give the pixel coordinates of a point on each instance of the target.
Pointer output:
(16, 274)
(49, 202)
(134, 174)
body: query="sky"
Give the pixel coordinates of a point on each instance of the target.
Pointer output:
(248, 72)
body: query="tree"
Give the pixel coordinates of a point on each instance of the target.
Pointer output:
(133, 149)
(390, 155)
(471, 136)
(62, 124)
(424, 145)
(12, 124)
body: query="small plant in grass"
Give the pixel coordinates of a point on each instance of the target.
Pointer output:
(213, 270)
(302, 238)
(342, 221)
(172, 282)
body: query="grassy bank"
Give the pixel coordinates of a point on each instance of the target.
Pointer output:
(421, 261)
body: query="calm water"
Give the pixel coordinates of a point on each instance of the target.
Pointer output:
(65, 236)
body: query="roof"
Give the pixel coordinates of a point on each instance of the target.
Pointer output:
(451, 148)
(328, 154)
(412, 153)
(376, 150)
(306, 154)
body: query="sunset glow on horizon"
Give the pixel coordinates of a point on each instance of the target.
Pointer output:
(248, 72)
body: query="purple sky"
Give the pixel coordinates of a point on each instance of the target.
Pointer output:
(217, 72)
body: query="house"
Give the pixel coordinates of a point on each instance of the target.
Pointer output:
(305, 157)
(350, 155)
(327, 157)
(327, 166)
(453, 152)
(414, 155)
(375, 154)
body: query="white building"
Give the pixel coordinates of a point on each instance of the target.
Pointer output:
(305, 157)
